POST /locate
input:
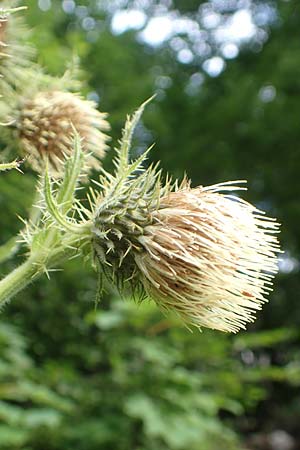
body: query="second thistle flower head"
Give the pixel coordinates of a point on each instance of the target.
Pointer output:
(45, 129)
(202, 253)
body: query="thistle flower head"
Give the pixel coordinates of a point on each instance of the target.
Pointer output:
(207, 255)
(45, 129)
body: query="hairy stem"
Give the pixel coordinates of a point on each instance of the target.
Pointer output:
(35, 266)
(18, 279)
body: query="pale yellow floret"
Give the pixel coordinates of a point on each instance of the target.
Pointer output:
(209, 256)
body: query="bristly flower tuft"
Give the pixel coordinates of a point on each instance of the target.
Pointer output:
(209, 256)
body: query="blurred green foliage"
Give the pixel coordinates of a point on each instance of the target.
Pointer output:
(123, 377)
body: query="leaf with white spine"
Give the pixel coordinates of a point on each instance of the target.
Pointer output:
(73, 169)
(54, 209)
(121, 162)
(59, 207)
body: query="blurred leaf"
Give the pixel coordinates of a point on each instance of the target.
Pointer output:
(268, 338)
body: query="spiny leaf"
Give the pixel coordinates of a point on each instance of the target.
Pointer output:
(127, 134)
(54, 209)
(73, 168)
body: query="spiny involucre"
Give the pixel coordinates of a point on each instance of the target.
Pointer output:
(204, 254)
(45, 126)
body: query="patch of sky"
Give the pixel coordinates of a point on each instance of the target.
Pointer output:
(185, 56)
(267, 93)
(158, 30)
(194, 84)
(229, 50)
(88, 23)
(45, 5)
(81, 11)
(68, 6)
(128, 19)
(163, 82)
(239, 27)
(214, 66)
(210, 37)
(288, 263)
(93, 96)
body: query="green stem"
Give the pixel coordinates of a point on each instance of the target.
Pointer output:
(34, 267)
(18, 279)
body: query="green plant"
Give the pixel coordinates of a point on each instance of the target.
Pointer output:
(196, 251)
(67, 344)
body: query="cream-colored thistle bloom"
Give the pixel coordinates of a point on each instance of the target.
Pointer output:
(209, 256)
(203, 253)
(45, 129)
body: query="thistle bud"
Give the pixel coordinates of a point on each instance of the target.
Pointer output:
(45, 129)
